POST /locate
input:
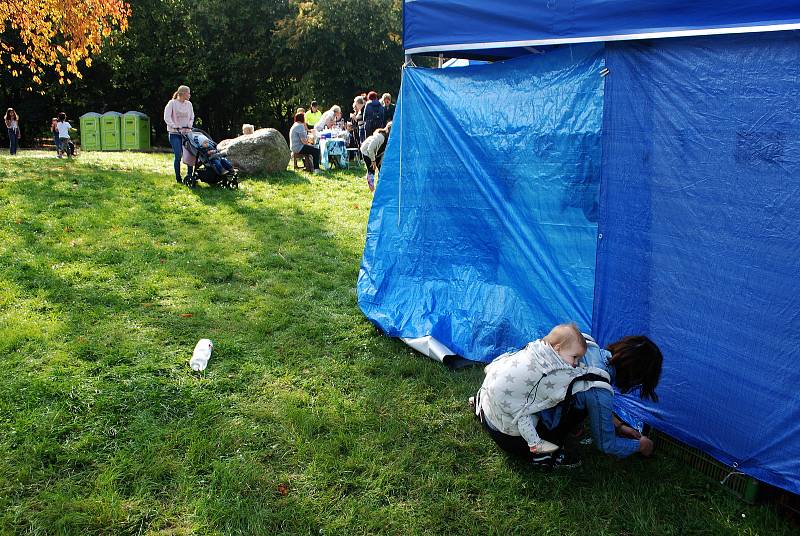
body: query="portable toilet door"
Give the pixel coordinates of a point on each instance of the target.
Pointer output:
(111, 131)
(135, 131)
(90, 131)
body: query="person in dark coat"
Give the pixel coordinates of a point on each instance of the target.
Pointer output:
(373, 114)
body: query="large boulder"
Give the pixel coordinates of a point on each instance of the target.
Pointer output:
(263, 151)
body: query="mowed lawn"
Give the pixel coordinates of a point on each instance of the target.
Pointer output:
(307, 421)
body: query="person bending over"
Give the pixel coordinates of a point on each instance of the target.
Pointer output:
(372, 150)
(634, 364)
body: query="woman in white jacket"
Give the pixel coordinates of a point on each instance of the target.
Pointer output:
(372, 149)
(179, 117)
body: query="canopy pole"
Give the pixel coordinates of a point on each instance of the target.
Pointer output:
(400, 100)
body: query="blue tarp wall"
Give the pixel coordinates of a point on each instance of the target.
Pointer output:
(700, 247)
(485, 228)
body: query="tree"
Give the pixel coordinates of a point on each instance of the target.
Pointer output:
(246, 62)
(338, 49)
(40, 36)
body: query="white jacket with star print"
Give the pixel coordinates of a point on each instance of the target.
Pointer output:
(520, 384)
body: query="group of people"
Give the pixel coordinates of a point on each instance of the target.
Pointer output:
(59, 127)
(367, 130)
(533, 402)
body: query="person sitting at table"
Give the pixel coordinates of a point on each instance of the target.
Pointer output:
(333, 127)
(298, 141)
(335, 112)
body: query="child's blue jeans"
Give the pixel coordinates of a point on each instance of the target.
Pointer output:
(12, 140)
(221, 164)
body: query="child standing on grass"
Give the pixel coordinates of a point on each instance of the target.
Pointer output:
(63, 128)
(520, 384)
(12, 126)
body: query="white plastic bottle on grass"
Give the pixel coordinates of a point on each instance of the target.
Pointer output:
(201, 354)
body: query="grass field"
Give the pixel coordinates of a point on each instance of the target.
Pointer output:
(307, 421)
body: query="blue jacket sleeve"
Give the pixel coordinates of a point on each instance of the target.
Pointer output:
(599, 404)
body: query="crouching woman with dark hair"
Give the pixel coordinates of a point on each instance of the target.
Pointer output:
(634, 364)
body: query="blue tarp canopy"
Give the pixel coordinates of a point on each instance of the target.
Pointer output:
(661, 199)
(486, 27)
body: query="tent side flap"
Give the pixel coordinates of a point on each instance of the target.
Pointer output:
(485, 237)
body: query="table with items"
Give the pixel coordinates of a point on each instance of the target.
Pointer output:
(333, 149)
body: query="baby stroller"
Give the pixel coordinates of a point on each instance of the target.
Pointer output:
(210, 165)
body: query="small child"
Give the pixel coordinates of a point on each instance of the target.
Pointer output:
(220, 164)
(520, 384)
(63, 127)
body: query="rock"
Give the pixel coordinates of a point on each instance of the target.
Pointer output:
(263, 151)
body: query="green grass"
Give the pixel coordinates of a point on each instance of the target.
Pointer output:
(307, 421)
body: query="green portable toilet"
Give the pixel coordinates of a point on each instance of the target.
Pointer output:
(111, 131)
(90, 131)
(135, 131)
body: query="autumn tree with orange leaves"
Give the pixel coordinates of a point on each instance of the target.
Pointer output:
(44, 36)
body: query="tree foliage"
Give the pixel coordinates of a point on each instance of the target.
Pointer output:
(337, 49)
(246, 62)
(39, 36)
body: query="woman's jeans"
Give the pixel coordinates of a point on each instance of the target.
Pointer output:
(56, 141)
(12, 140)
(176, 140)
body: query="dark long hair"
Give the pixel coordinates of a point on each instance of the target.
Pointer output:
(637, 362)
(385, 131)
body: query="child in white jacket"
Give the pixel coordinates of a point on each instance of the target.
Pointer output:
(372, 149)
